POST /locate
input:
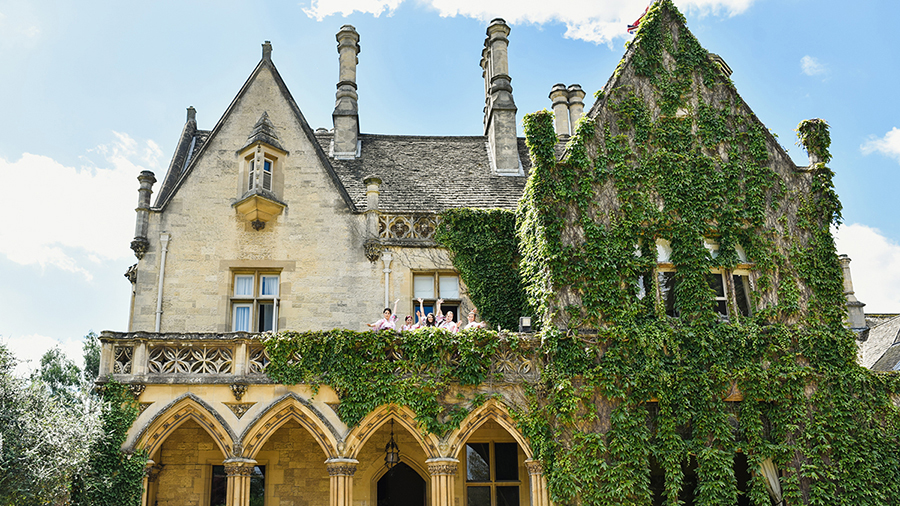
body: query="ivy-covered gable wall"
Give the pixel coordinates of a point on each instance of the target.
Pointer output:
(670, 151)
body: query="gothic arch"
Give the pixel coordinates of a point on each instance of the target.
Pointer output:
(290, 406)
(187, 407)
(404, 416)
(490, 410)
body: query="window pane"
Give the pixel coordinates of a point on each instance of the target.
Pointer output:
(219, 486)
(241, 319)
(478, 463)
(667, 285)
(742, 293)
(252, 173)
(506, 462)
(267, 175)
(478, 496)
(243, 286)
(423, 287)
(716, 283)
(266, 317)
(268, 286)
(448, 287)
(507, 496)
(258, 486)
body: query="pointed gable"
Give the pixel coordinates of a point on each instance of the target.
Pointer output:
(669, 152)
(263, 131)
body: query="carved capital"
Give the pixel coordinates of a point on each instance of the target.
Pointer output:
(534, 467)
(238, 469)
(341, 467)
(442, 467)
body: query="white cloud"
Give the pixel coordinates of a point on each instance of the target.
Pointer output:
(812, 66)
(29, 349)
(888, 145)
(874, 266)
(598, 21)
(62, 209)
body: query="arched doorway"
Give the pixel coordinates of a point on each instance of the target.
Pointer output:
(401, 486)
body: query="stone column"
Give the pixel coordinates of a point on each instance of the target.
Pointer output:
(576, 105)
(540, 496)
(238, 471)
(559, 97)
(150, 474)
(373, 192)
(340, 472)
(443, 481)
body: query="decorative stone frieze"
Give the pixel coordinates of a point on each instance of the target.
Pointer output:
(192, 360)
(239, 408)
(258, 360)
(407, 226)
(123, 357)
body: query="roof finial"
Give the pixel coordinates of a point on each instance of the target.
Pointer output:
(191, 114)
(267, 50)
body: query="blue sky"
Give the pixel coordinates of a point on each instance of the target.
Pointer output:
(94, 92)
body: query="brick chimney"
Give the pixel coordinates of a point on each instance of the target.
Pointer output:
(346, 111)
(500, 108)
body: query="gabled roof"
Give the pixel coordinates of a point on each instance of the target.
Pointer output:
(428, 174)
(186, 150)
(881, 349)
(170, 188)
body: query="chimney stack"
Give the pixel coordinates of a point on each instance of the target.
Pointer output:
(576, 105)
(267, 50)
(568, 107)
(500, 108)
(346, 110)
(560, 99)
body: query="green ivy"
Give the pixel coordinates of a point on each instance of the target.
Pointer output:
(370, 369)
(484, 249)
(113, 477)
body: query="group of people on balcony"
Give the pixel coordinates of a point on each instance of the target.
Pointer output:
(435, 319)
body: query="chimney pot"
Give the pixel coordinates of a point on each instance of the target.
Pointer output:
(559, 97)
(576, 104)
(267, 50)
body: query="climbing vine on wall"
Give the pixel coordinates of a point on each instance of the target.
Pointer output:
(629, 395)
(370, 369)
(485, 251)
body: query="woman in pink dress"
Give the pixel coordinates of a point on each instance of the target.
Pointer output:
(389, 319)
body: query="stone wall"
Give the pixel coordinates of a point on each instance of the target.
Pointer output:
(295, 468)
(186, 458)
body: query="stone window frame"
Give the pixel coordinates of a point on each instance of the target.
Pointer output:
(665, 271)
(255, 300)
(257, 154)
(452, 302)
(493, 483)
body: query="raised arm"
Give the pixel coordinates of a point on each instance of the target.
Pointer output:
(421, 312)
(394, 312)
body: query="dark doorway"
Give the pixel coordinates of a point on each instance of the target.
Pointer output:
(401, 486)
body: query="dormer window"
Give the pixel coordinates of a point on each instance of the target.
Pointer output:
(260, 181)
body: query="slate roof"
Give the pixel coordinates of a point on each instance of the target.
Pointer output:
(427, 174)
(881, 349)
(188, 146)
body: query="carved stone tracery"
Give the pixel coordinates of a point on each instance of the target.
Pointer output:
(190, 360)
(123, 356)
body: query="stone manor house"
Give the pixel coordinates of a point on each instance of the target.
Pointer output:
(264, 224)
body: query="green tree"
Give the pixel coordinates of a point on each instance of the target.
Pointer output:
(44, 440)
(59, 375)
(91, 349)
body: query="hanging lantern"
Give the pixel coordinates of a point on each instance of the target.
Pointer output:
(391, 451)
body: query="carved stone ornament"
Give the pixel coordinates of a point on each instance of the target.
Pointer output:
(442, 468)
(238, 469)
(535, 468)
(239, 389)
(142, 406)
(341, 469)
(136, 389)
(239, 408)
(258, 224)
(140, 245)
(131, 274)
(373, 249)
